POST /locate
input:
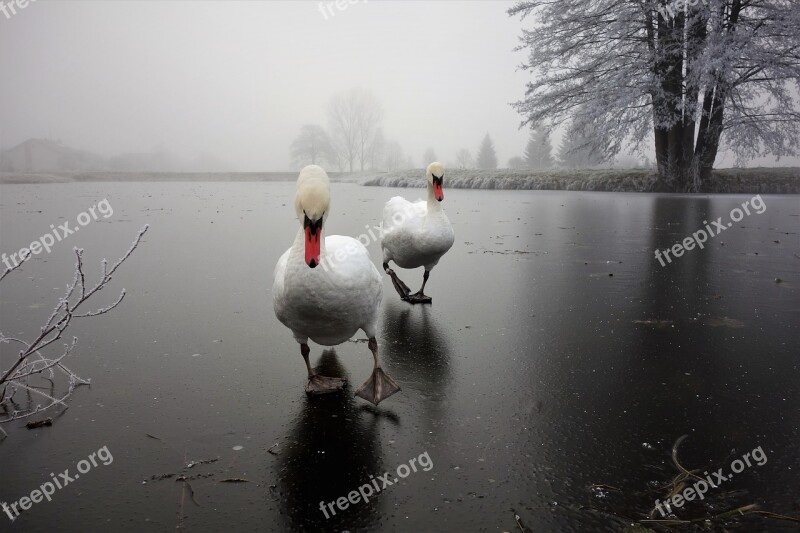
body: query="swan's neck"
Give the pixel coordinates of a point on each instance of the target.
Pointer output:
(433, 203)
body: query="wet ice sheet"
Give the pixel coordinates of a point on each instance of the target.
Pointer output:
(557, 354)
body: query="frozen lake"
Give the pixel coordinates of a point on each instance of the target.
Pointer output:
(550, 378)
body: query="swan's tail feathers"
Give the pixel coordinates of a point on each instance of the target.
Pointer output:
(323, 385)
(378, 387)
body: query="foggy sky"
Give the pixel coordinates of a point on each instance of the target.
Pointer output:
(237, 80)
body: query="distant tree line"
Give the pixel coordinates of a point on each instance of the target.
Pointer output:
(354, 141)
(576, 150)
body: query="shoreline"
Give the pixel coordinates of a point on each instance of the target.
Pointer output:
(777, 180)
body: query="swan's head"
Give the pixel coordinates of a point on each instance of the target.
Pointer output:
(435, 174)
(312, 203)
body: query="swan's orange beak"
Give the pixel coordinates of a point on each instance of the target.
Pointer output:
(313, 231)
(438, 192)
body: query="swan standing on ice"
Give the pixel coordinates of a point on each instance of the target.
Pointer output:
(328, 304)
(416, 234)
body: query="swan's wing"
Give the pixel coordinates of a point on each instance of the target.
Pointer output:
(400, 213)
(349, 263)
(278, 279)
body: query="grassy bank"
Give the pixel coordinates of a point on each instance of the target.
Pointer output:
(784, 180)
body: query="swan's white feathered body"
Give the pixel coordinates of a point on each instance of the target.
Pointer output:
(331, 302)
(415, 234)
(326, 289)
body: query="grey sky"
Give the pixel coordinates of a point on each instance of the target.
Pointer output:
(238, 79)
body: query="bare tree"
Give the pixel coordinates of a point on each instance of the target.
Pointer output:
(376, 149)
(693, 76)
(463, 158)
(343, 121)
(370, 116)
(311, 147)
(31, 360)
(354, 116)
(394, 158)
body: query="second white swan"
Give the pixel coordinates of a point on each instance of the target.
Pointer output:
(416, 234)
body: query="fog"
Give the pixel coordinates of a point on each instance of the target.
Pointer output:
(237, 80)
(233, 82)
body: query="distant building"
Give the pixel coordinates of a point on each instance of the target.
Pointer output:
(44, 155)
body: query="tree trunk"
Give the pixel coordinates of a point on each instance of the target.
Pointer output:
(671, 129)
(662, 144)
(708, 135)
(685, 161)
(711, 122)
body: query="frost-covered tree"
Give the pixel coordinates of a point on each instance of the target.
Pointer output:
(578, 148)
(311, 147)
(539, 150)
(23, 383)
(517, 162)
(354, 116)
(692, 77)
(428, 157)
(628, 161)
(487, 158)
(463, 158)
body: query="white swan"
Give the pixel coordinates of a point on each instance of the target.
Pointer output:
(326, 289)
(416, 234)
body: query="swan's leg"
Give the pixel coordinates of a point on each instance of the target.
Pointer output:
(401, 288)
(419, 297)
(319, 384)
(379, 386)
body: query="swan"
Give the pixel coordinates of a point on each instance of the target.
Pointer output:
(416, 234)
(327, 288)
